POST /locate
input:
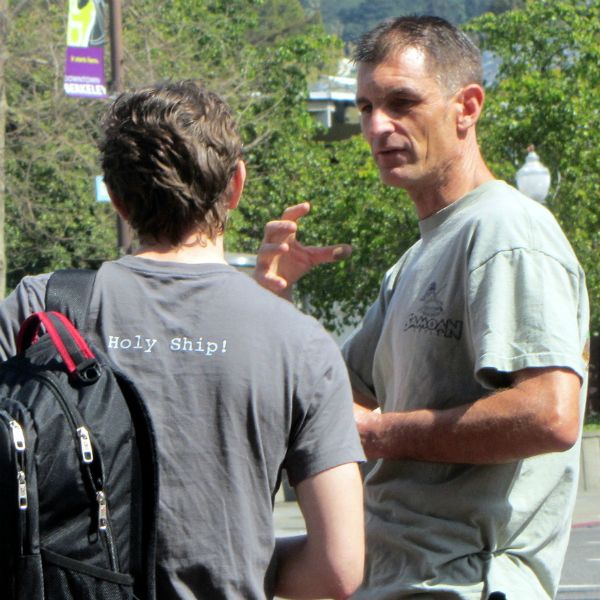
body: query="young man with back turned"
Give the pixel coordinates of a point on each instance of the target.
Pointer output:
(238, 383)
(474, 349)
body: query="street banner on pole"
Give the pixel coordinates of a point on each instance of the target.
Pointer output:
(84, 64)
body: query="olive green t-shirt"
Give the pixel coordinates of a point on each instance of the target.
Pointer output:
(491, 287)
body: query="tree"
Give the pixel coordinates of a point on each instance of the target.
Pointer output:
(52, 219)
(349, 204)
(256, 55)
(546, 94)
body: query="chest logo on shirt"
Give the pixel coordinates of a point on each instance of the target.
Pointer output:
(428, 317)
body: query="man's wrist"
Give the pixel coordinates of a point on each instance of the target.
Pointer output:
(369, 426)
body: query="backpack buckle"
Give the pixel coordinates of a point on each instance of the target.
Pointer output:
(87, 371)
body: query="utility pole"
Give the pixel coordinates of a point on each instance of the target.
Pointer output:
(116, 62)
(3, 110)
(116, 46)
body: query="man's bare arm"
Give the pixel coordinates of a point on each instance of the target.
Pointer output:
(538, 414)
(328, 561)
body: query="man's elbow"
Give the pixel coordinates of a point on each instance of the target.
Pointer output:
(562, 428)
(562, 435)
(344, 581)
(553, 396)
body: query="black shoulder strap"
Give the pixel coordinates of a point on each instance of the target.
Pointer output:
(69, 291)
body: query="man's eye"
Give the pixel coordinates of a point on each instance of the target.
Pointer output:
(364, 109)
(401, 104)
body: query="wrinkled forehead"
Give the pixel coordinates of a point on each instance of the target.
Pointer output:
(408, 59)
(409, 67)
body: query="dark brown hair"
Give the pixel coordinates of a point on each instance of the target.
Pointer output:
(168, 154)
(452, 56)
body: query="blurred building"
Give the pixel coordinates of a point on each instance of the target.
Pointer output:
(331, 102)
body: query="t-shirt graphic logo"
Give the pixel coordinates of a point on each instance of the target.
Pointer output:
(427, 318)
(432, 305)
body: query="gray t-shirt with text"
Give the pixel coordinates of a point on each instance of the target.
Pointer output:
(239, 385)
(492, 287)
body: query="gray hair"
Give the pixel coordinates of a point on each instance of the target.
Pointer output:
(452, 56)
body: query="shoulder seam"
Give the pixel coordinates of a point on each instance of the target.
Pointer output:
(568, 268)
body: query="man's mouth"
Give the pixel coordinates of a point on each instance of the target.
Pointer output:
(391, 154)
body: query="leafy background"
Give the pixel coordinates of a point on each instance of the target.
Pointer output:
(261, 55)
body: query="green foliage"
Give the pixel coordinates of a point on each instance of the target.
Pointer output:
(257, 54)
(331, 13)
(547, 95)
(349, 205)
(592, 423)
(51, 218)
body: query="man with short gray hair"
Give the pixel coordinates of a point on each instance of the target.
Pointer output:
(474, 351)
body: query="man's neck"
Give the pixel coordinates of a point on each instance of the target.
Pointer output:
(197, 248)
(457, 181)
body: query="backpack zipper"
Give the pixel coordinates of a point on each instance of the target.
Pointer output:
(88, 457)
(18, 442)
(85, 445)
(105, 527)
(22, 490)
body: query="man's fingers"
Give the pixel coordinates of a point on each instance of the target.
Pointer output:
(341, 251)
(271, 282)
(269, 254)
(293, 213)
(277, 232)
(328, 254)
(267, 262)
(282, 260)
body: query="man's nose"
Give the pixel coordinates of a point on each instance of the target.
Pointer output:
(378, 123)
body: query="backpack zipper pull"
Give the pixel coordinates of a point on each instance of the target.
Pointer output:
(102, 510)
(18, 437)
(22, 490)
(87, 453)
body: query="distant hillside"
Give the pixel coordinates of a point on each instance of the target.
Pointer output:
(349, 19)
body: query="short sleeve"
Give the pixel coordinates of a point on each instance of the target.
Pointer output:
(324, 433)
(25, 299)
(526, 309)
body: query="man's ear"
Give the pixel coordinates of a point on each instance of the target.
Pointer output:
(119, 206)
(237, 185)
(470, 104)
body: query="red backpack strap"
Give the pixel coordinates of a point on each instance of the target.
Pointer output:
(79, 360)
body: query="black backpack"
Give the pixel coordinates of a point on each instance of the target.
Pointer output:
(78, 470)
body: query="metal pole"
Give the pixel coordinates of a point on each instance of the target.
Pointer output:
(3, 112)
(116, 46)
(116, 61)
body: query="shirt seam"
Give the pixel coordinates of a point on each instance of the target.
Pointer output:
(566, 267)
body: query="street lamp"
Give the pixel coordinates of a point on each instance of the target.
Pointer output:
(533, 178)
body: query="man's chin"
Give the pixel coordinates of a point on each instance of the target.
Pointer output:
(398, 177)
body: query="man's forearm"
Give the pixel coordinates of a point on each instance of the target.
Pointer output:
(328, 561)
(529, 419)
